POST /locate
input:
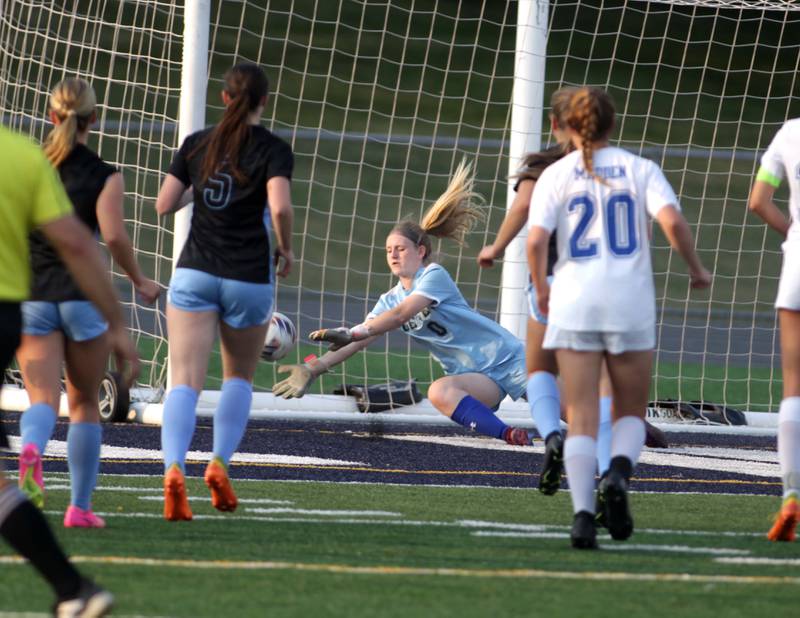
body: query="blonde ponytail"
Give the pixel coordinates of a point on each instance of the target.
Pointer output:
(458, 209)
(73, 102)
(451, 216)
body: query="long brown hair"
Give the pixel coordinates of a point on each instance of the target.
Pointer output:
(247, 86)
(451, 216)
(591, 115)
(73, 102)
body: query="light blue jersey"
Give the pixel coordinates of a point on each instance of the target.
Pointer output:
(460, 338)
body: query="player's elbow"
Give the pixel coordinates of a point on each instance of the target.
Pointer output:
(756, 205)
(116, 241)
(164, 206)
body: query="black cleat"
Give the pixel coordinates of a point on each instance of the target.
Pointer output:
(550, 479)
(583, 534)
(618, 520)
(91, 601)
(600, 505)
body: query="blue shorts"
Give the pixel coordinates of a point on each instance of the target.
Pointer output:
(240, 304)
(533, 307)
(77, 319)
(511, 376)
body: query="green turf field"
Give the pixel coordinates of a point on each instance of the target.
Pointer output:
(320, 549)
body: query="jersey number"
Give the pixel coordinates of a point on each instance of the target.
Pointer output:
(217, 193)
(620, 223)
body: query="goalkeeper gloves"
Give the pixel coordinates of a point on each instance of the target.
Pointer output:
(300, 378)
(340, 337)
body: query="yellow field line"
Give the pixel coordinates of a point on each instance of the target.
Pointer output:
(422, 571)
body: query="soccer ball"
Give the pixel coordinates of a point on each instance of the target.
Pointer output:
(281, 338)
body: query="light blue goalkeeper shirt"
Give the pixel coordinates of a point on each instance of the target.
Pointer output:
(458, 337)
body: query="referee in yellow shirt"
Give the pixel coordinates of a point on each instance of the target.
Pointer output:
(31, 196)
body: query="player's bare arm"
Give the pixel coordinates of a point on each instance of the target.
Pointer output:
(111, 221)
(515, 220)
(762, 204)
(170, 196)
(677, 231)
(280, 208)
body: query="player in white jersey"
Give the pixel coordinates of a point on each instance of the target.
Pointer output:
(544, 397)
(602, 301)
(782, 160)
(482, 361)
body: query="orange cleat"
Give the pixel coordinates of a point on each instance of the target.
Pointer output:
(222, 496)
(176, 504)
(784, 527)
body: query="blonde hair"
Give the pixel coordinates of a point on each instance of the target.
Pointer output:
(73, 102)
(452, 216)
(591, 115)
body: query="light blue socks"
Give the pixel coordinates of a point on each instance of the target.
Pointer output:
(37, 424)
(544, 400)
(604, 436)
(230, 417)
(83, 458)
(177, 425)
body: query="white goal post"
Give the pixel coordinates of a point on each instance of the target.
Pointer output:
(380, 100)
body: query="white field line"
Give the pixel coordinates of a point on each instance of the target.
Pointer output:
(254, 565)
(58, 448)
(497, 525)
(761, 463)
(470, 524)
(680, 549)
(325, 512)
(761, 561)
(202, 499)
(65, 475)
(114, 488)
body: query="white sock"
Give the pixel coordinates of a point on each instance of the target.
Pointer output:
(627, 438)
(580, 461)
(789, 444)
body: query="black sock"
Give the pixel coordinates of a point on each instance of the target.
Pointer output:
(24, 527)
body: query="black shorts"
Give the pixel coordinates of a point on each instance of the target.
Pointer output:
(10, 327)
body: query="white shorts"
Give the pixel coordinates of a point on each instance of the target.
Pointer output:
(599, 341)
(789, 286)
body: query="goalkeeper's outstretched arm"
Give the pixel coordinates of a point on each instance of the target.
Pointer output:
(302, 376)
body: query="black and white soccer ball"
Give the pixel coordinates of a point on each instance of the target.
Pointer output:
(281, 338)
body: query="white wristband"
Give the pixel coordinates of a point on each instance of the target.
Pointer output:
(360, 331)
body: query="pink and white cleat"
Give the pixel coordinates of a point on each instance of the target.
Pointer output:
(76, 517)
(31, 481)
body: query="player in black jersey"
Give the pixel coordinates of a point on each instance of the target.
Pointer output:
(544, 397)
(59, 323)
(239, 175)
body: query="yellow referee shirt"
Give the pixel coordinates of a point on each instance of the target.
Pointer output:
(30, 195)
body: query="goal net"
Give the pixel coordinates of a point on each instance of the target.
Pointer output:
(380, 100)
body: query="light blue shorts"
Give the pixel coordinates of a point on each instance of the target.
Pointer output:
(533, 307)
(240, 304)
(79, 320)
(511, 376)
